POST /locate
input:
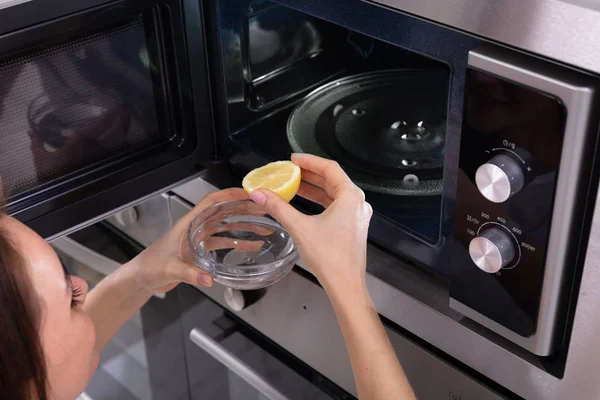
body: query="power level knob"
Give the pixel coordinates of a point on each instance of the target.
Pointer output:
(492, 250)
(500, 178)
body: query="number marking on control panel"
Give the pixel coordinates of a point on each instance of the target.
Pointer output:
(484, 215)
(510, 151)
(472, 219)
(501, 220)
(527, 246)
(511, 234)
(508, 144)
(471, 232)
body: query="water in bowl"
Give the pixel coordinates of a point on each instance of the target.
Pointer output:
(244, 244)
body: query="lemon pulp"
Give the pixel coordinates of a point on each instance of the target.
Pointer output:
(281, 177)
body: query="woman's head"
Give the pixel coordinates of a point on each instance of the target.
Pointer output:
(46, 340)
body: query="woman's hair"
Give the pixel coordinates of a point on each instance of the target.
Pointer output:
(22, 362)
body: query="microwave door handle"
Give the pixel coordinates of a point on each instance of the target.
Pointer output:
(235, 365)
(89, 257)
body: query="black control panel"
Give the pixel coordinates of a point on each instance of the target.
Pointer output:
(510, 151)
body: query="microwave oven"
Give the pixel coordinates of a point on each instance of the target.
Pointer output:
(477, 157)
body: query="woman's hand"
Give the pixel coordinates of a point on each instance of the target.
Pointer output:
(166, 263)
(333, 243)
(159, 268)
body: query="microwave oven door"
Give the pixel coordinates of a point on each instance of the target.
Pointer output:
(99, 107)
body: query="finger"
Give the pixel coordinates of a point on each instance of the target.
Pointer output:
(330, 170)
(220, 243)
(319, 181)
(177, 271)
(369, 210)
(315, 194)
(313, 179)
(219, 197)
(278, 208)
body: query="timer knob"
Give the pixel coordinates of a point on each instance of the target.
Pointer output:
(500, 178)
(492, 250)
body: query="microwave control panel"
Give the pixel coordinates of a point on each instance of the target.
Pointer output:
(502, 223)
(511, 190)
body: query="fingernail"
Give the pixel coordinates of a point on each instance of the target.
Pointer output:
(205, 280)
(258, 197)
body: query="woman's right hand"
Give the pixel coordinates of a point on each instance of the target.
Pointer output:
(333, 244)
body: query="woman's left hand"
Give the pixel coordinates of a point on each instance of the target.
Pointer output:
(166, 263)
(159, 268)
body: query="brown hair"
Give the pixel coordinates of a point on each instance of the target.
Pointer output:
(22, 362)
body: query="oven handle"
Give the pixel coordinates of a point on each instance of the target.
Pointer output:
(235, 365)
(89, 257)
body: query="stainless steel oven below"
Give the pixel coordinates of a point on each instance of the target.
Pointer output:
(290, 311)
(421, 307)
(296, 314)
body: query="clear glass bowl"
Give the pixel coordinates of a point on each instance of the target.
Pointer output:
(241, 246)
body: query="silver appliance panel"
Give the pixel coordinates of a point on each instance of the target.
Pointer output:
(289, 312)
(578, 94)
(291, 309)
(564, 30)
(127, 222)
(296, 314)
(10, 3)
(422, 313)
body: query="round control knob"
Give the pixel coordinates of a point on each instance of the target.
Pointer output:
(127, 217)
(492, 250)
(500, 178)
(237, 300)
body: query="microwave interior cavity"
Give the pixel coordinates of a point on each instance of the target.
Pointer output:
(297, 83)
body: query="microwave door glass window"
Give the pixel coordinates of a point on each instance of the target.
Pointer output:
(75, 105)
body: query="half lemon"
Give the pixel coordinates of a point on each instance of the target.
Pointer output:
(281, 177)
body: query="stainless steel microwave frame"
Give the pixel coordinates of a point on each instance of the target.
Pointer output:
(579, 95)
